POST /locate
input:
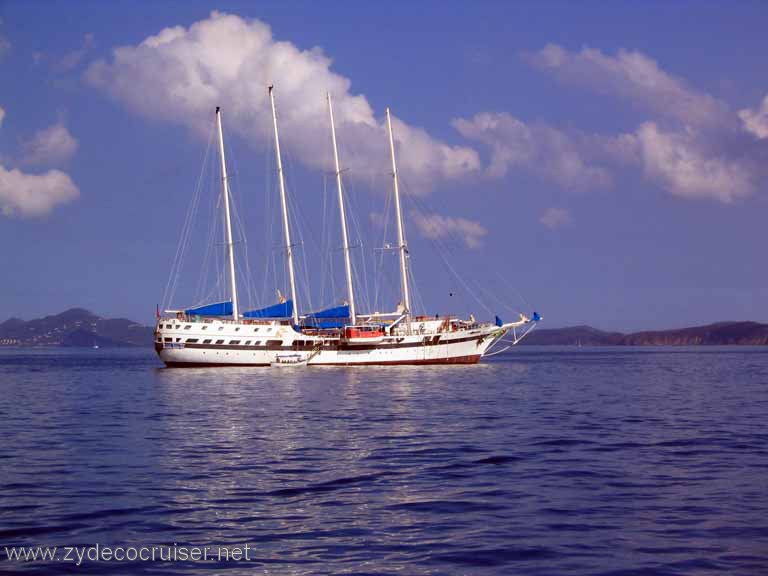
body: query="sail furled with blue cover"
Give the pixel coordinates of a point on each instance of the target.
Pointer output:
(218, 309)
(282, 310)
(335, 317)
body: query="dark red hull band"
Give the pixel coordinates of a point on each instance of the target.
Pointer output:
(473, 359)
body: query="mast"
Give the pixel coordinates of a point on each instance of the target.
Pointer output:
(284, 204)
(344, 234)
(227, 218)
(402, 247)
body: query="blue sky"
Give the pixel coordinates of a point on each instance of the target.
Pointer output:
(601, 163)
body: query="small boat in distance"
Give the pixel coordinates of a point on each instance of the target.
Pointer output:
(221, 334)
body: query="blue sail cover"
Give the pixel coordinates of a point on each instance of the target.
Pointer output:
(218, 309)
(282, 310)
(335, 317)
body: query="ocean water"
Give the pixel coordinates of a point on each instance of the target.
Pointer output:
(599, 461)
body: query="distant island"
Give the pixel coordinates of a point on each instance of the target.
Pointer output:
(75, 328)
(718, 334)
(78, 327)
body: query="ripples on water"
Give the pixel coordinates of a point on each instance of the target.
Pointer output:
(541, 461)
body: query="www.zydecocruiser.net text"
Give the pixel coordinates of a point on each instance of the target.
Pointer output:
(78, 555)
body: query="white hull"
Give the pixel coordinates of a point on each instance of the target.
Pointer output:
(222, 343)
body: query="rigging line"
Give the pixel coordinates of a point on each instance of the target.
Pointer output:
(361, 277)
(385, 232)
(359, 285)
(213, 200)
(359, 270)
(487, 294)
(461, 280)
(187, 230)
(487, 354)
(333, 296)
(235, 198)
(423, 207)
(323, 240)
(197, 294)
(213, 226)
(181, 247)
(511, 286)
(245, 261)
(267, 221)
(210, 254)
(219, 255)
(213, 293)
(418, 301)
(327, 272)
(504, 304)
(389, 209)
(300, 223)
(441, 250)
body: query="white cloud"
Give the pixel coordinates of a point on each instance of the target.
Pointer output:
(541, 149)
(34, 194)
(555, 218)
(52, 145)
(29, 195)
(2, 115)
(637, 77)
(70, 60)
(435, 227)
(756, 121)
(687, 162)
(680, 161)
(182, 74)
(695, 147)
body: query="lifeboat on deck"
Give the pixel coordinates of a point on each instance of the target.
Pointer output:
(362, 335)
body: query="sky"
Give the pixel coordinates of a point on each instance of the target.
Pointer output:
(600, 163)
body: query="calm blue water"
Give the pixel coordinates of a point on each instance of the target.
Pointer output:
(543, 461)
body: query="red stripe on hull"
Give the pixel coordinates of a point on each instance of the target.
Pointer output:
(473, 359)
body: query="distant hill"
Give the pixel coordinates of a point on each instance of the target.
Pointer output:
(75, 327)
(80, 327)
(584, 335)
(719, 334)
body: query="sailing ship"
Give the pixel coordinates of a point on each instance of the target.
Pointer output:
(220, 334)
